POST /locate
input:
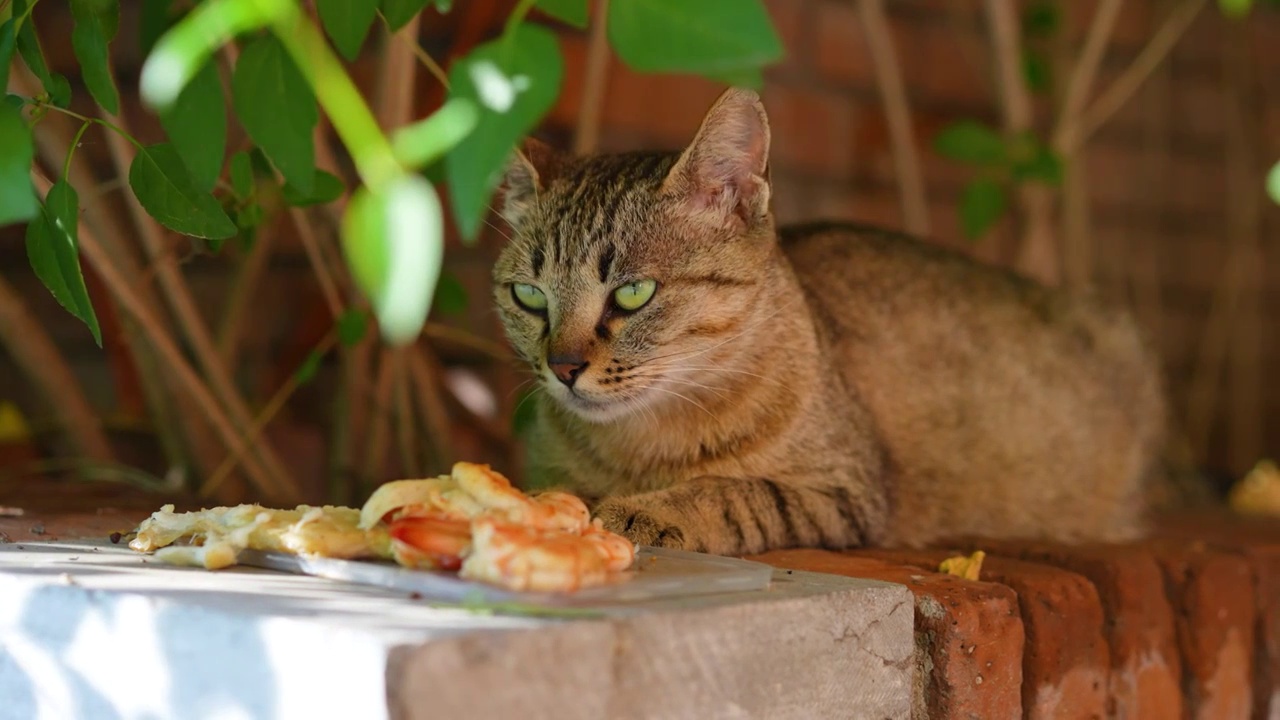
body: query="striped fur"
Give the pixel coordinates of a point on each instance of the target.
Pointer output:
(822, 386)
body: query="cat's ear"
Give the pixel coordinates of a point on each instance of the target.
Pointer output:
(532, 168)
(725, 170)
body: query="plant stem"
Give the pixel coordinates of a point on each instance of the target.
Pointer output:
(906, 158)
(85, 119)
(71, 151)
(1151, 56)
(587, 135)
(515, 18)
(340, 99)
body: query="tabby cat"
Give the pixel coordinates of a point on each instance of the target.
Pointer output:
(715, 383)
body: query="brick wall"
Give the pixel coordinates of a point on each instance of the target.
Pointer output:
(1158, 200)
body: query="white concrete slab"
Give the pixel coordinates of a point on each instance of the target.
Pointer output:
(96, 631)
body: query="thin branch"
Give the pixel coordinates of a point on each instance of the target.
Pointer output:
(406, 440)
(1038, 253)
(168, 351)
(906, 157)
(35, 353)
(587, 137)
(1156, 50)
(438, 331)
(395, 106)
(239, 295)
(268, 412)
(379, 436)
(425, 368)
(1085, 72)
(190, 323)
(319, 264)
(428, 62)
(173, 416)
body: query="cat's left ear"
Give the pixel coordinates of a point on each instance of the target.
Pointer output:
(533, 167)
(725, 170)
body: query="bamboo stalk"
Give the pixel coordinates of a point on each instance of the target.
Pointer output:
(1084, 75)
(37, 356)
(239, 296)
(424, 368)
(379, 435)
(406, 437)
(893, 94)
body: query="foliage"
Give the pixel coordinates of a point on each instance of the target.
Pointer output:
(286, 74)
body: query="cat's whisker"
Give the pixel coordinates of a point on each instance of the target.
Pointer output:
(536, 390)
(686, 398)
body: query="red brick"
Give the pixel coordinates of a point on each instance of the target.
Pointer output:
(1066, 661)
(969, 636)
(1213, 599)
(1146, 669)
(813, 130)
(793, 21)
(839, 45)
(1258, 541)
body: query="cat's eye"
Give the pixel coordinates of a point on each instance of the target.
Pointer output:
(634, 295)
(529, 297)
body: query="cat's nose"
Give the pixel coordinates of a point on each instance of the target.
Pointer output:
(567, 367)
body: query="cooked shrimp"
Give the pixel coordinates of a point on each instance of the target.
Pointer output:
(500, 500)
(618, 552)
(430, 541)
(524, 558)
(565, 511)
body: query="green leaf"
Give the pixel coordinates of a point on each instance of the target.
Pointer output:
(17, 151)
(197, 124)
(168, 193)
(423, 142)
(347, 22)
(1041, 19)
(277, 108)
(308, 369)
(394, 245)
(707, 37)
(1273, 183)
(514, 84)
(1043, 166)
(325, 188)
(398, 13)
(969, 141)
(155, 18)
(54, 252)
(29, 48)
(451, 295)
(352, 326)
(1037, 73)
(7, 43)
(13, 101)
(573, 12)
(981, 205)
(95, 26)
(1235, 9)
(241, 171)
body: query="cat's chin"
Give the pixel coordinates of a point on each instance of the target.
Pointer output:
(592, 410)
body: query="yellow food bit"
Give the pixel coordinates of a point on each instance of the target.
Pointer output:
(1258, 492)
(966, 567)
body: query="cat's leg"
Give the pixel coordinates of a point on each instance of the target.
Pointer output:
(736, 516)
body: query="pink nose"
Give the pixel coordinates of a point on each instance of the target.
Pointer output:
(567, 368)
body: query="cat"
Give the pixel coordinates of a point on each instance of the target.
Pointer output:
(713, 383)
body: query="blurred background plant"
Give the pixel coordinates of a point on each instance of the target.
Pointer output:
(274, 217)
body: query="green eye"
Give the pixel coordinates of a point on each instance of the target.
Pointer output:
(633, 296)
(529, 297)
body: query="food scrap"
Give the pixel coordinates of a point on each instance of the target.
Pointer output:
(472, 521)
(968, 568)
(1258, 492)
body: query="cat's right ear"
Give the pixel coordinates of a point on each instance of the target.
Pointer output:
(533, 166)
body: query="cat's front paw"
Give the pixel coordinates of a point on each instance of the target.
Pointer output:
(640, 524)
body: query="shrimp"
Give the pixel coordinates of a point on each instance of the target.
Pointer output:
(523, 558)
(430, 541)
(502, 501)
(618, 552)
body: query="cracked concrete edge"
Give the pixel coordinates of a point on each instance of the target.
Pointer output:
(847, 652)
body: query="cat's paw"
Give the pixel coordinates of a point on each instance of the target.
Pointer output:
(640, 524)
